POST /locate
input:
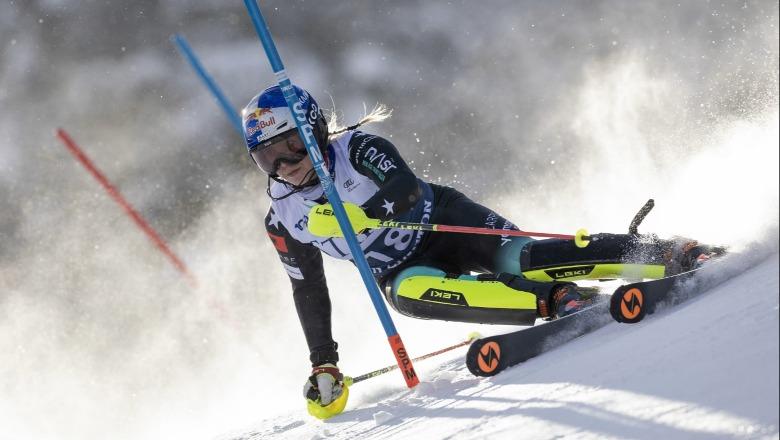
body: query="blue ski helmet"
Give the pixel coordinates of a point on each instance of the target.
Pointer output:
(267, 120)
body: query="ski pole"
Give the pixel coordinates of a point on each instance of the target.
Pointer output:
(360, 221)
(351, 380)
(307, 134)
(581, 238)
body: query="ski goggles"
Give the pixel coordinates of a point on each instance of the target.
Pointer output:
(286, 148)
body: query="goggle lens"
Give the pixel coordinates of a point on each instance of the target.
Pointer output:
(285, 148)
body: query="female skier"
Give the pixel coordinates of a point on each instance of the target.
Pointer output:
(422, 274)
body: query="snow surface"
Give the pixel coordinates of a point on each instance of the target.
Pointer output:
(705, 369)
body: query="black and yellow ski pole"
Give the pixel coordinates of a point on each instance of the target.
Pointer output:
(351, 380)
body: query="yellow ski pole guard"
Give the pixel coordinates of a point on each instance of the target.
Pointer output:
(323, 223)
(581, 238)
(333, 408)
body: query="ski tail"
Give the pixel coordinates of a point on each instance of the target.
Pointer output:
(630, 303)
(490, 355)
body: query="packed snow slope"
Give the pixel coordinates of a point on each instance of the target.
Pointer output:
(705, 369)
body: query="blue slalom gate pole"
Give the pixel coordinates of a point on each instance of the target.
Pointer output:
(189, 55)
(307, 134)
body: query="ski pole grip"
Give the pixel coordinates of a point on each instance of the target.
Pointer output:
(404, 363)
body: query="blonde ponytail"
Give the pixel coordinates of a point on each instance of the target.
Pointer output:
(379, 113)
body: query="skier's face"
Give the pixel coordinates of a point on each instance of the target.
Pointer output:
(285, 156)
(298, 173)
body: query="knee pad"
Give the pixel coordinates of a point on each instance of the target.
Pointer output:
(429, 293)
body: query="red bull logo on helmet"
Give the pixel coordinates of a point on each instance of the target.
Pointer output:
(259, 120)
(255, 115)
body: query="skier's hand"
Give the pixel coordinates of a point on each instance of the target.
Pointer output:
(323, 223)
(325, 391)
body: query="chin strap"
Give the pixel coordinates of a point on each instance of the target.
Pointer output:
(293, 188)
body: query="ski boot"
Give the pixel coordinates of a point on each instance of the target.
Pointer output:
(685, 254)
(564, 299)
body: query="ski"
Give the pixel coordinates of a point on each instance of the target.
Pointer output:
(490, 355)
(630, 303)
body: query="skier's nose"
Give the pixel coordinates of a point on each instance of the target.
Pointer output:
(285, 168)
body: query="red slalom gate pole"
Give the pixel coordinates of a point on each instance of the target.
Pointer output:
(112, 191)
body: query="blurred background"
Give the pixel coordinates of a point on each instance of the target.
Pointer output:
(559, 114)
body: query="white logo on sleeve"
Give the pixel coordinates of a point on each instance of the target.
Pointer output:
(388, 206)
(383, 162)
(293, 272)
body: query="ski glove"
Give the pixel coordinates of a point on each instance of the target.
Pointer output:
(325, 391)
(323, 222)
